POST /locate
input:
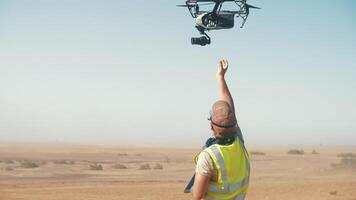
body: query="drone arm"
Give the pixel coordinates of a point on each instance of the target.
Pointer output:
(244, 18)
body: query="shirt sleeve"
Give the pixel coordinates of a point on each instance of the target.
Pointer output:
(204, 164)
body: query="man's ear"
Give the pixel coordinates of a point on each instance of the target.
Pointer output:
(211, 127)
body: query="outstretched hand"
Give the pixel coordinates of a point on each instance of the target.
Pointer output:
(222, 68)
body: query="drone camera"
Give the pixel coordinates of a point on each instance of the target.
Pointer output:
(201, 41)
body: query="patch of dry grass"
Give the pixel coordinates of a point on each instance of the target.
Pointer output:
(296, 152)
(348, 160)
(257, 153)
(145, 166)
(8, 168)
(314, 152)
(96, 166)
(158, 166)
(167, 159)
(7, 161)
(64, 162)
(28, 164)
(346, 155)
(119, 166)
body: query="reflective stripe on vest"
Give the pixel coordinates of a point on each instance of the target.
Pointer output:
(228, 188)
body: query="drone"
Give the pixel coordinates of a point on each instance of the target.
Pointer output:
(216, 19)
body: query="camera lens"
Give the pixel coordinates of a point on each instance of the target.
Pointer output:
(200, 41)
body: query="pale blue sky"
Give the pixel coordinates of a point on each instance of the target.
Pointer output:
(124, 72)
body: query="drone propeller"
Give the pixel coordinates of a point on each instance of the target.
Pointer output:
(192, 5)
(186, 5)
(203, 4)
(248, 6)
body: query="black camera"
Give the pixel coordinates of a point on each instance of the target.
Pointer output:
(201, 41)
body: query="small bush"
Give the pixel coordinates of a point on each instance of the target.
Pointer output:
(314, 152)
(61, 162)
(8, 168)
(158, 166)
(119, 166)
(345, 163)
(145, 166)
(95, 166)
(296, 152)
(122, 154)
(333, 192)
(257, 153)
(64, 162)
(8, 161)
(348, 162)
(346, 155)
(28, 164)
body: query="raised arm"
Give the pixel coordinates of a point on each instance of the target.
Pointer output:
(224, 93)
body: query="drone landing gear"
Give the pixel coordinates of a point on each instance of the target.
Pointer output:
(203, 40)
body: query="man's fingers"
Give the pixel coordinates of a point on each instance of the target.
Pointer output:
(225, 64)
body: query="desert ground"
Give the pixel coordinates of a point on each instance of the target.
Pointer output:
(89, 172)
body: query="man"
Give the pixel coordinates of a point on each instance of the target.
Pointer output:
(223, 167)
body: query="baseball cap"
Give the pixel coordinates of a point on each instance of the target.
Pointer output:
(222, 116)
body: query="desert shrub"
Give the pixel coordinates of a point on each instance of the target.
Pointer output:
(314, 152)
(345, 163)
(8, 161)
(348, 162)
(28, 164)
(122, 154)
(296, 152)
(258, 153)
(346, 155)
(145, 166)
(333, 192)
(335, 165)
(8, 168)
(96, 166)
(64, 162)
(119, 166)
(158, 166)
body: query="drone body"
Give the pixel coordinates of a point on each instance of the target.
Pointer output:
(216, 19)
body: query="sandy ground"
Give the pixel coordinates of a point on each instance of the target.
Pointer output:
(275, 176)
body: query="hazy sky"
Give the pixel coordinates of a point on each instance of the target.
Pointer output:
(119, 72)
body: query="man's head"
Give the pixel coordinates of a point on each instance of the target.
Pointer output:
(223, 120)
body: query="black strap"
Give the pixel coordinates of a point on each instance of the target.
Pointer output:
(221, 126)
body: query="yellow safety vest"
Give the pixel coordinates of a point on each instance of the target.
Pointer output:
(233, 165)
